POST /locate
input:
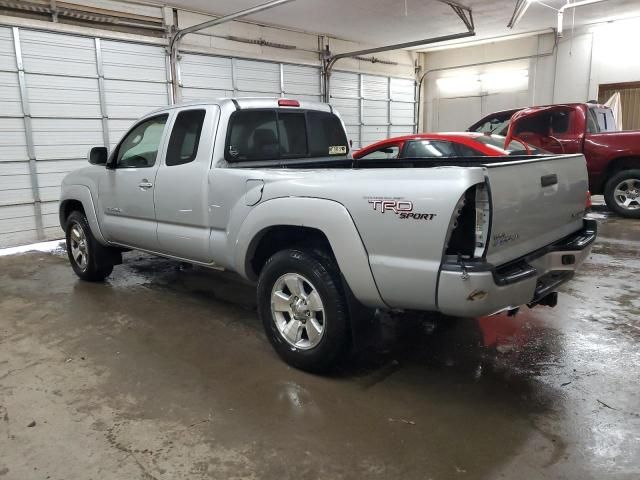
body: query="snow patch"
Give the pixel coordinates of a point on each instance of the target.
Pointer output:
(47, 247)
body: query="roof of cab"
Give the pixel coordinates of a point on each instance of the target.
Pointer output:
(249, 102)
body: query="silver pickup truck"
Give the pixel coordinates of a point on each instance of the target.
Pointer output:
(267, 188)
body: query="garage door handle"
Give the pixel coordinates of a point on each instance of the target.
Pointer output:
(145, 185)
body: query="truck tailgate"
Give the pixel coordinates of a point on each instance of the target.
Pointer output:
(534, 203)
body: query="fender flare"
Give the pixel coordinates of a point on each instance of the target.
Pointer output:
(329, 217)
(82, 194)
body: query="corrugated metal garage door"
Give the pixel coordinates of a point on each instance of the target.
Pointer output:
(208, 77)
(135, 82)
(373, 107)
(61, 95)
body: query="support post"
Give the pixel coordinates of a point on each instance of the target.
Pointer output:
(28, 131)
(101, 91)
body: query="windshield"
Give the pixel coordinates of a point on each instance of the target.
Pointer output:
(514, 148)
(497, 125)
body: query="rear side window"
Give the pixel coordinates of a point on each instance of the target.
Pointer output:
(605, 120)
(272, 134)
(592, 123)
(185, 137)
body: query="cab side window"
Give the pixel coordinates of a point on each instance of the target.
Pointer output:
(140, 146)
(185, 137)
(560, 122)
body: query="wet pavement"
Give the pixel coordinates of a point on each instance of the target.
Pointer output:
(163, 372)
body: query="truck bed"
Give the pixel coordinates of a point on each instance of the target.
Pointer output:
(314, 163)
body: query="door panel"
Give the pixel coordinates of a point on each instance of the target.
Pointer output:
(126, 193)
(181, 194)
(127, 208)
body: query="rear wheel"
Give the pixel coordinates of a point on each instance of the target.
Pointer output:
(622, 193)
(89, 259)
(303, 309)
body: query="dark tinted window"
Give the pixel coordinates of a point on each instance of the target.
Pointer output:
(185, 137)
(273, 134)
(560, 122)
(464, 151)
(253, 135)
(326, 135)
(139, 148)
(293, 134)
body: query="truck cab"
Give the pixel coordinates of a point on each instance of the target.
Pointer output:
(613, 156)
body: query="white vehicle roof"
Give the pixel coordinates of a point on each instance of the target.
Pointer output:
(249, 102)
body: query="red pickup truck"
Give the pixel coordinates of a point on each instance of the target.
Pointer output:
(613, 156)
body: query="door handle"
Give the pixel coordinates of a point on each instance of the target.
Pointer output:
(548, 180)
(145, 184)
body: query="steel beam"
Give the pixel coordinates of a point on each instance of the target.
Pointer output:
(177, 35)
(28, 131)
(465, 14)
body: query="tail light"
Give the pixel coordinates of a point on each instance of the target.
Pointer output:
(468, 233)
(589, 204)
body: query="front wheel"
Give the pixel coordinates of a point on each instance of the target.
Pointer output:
(303, 309)
(622, 193)
(89, 260)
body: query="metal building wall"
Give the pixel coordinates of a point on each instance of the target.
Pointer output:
(373, 107)
(62, 94)
(207, 77)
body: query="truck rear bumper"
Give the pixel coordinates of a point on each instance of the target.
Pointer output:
(476, 289)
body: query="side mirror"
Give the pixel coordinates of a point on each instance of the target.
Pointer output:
(98, 156)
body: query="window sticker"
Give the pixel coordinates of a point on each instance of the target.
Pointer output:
(337, 150)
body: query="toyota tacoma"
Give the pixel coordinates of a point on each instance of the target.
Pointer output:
(267, 188)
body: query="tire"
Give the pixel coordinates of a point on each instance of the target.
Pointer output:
(622, 182)
(320, 337)
(89, 259)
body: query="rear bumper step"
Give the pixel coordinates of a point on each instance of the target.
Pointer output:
(474, 289)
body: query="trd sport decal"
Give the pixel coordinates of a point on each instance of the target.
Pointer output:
(402, 208)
